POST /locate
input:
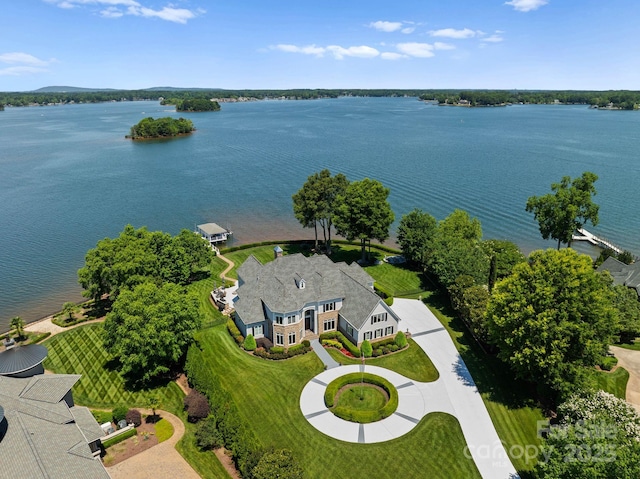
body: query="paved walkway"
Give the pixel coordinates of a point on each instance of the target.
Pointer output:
(454, 393)
(630, 360)
(324, 356)
(159, 461)
(46, 326)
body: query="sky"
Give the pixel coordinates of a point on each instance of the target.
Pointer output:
(267, 44)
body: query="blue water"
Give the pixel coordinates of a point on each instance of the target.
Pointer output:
(68, 177)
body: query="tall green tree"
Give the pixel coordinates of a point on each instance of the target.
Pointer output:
(364, 213)
(306, 205)
(567, 209)
(415, 236)
(17, 324)
(149, 329)
(551, 319)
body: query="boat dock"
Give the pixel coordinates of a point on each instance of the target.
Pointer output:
(596, 240)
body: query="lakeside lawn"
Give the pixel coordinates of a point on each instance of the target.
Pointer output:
(614, 382)
(267, 394)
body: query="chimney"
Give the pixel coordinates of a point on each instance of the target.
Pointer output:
(277, 252)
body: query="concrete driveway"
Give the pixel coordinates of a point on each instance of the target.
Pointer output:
(630, 360)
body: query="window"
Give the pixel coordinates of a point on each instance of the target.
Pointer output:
(378, 318)
(388, 330)
(328, 307)
(278, 319)
(279, 339)
(329, 324)
(292, 337)
(349, 330)
(257, 330)
(378, 333)
(367, 335)
(291, 319)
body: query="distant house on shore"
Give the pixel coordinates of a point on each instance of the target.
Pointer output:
(625, 274)
(296, 297)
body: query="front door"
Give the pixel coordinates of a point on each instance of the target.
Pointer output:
(309, 320)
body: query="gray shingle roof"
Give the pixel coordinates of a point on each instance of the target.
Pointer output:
(43, 438)
(275, 285)
(624, 274)
(87, 423)
(212, 228)
(21, 358)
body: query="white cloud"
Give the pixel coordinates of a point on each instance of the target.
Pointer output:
(443, 46)
(526, 5)
(392, 56)
(112, 10)
(386, 26)
(408, 30)
(24, 64)
(453, 33)
(493, 39)
(362, 51)
(308, 50)
(414, 49)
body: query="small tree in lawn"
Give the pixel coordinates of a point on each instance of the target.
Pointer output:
(250, 343)
(17, 323)
(366, 349)
(401, 340)
(69, 309)
(153, 403)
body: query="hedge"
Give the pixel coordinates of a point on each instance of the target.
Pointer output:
(348, 345)
(235, 332)
(278, 352)
(362, 417)
(115, 440)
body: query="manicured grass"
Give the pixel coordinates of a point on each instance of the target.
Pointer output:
(203, 288)
(634, 346)
(264, 254)
(412, 363)
(613, 382)
(102, 416)
(164, 430)
(362, 397)
(205, 463)
(267, 395)
(80, 351)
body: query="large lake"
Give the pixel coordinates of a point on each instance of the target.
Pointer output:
(68, 177)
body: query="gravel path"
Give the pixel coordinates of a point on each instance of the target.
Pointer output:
(158, 462)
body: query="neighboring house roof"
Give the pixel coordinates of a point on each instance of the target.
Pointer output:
(624, 274)
(276, 285)
(212, 229)
(40, 436)
(21, 358)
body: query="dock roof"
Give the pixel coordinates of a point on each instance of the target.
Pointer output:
(212, 228)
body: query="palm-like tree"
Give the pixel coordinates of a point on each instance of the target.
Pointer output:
(17, 323)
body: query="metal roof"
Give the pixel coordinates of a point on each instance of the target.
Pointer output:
(1, 413)
(21, 358)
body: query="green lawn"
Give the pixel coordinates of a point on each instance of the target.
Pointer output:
(634, 346)
(362, 397)
(613, 382)
(79, 351)
(164, 430)
(267, 395)
(412, 363)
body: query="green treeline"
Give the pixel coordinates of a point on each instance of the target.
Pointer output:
(161, 128)
(623, 100)
(195, 104)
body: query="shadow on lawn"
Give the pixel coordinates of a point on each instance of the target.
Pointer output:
(491, 376)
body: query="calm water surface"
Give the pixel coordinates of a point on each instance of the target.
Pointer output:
(68, 177)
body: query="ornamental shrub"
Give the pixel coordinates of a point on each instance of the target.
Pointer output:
(119, 413)
(608, 363)
(276, 350)
(332, 343)
(115, 440)
(401, 339)
(235, 332)
(134, 417)
(250, 343)
(207, 434)
(306, 343)
(196, 405)
(348, 345)
(366, 348)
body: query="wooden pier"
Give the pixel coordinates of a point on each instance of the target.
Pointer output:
(596, 240)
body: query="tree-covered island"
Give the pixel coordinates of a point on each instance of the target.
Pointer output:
(165, 127)
(192, 104)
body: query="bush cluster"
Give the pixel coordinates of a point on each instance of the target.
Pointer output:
(608, 363)
(235, 332)
(349, 414)
(346, 344)
(119, 413)
(134, 417)
(332, 343)
(278, 352)
(224, 421)
(196, 405)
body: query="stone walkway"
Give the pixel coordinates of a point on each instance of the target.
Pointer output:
(159, 461)
(454, 392)
(630, 360)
